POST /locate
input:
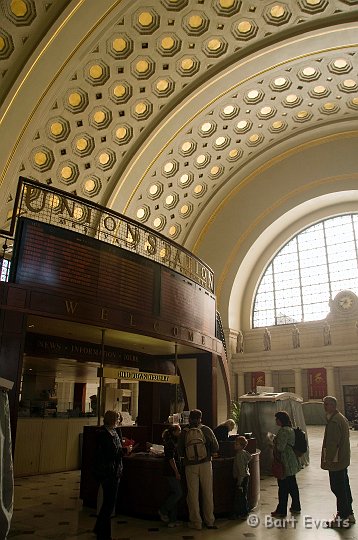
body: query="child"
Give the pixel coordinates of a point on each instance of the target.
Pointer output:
(241, 474)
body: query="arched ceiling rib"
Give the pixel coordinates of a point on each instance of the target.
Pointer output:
(140, 124)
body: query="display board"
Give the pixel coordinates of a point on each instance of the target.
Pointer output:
(71, 276)
(70, 263)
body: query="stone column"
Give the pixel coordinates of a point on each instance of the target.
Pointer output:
(331, 387)
(134, 400)
(230, 338)
(268, 378)
(298, 381)
(240, 384)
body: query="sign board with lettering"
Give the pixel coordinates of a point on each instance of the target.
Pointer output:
(77, 278)
(137, 376)
(69, 212)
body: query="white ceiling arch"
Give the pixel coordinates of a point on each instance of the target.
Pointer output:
(188, 115)
(313, 181)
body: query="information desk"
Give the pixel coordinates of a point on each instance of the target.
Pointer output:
(143, 486)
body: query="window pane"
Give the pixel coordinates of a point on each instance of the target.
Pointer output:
(309, 270)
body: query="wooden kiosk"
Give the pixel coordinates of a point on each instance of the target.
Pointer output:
(131, 298)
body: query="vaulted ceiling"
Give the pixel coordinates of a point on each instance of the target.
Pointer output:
(165, 110)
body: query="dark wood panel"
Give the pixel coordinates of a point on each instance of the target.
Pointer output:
(186, 303)
(137, 494)
(74, 265)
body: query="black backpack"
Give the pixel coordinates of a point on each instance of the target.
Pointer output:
(300, 447)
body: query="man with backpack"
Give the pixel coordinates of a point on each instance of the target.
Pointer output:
(197, 444)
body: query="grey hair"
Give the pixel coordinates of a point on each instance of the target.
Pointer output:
(230, 423)
(330, 399)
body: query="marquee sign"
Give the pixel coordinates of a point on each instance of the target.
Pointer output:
(62, 209)
(137, 376)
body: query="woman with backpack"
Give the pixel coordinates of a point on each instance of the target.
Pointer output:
(285, 454)
(168, 510)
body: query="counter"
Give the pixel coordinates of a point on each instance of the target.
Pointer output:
(143, 486)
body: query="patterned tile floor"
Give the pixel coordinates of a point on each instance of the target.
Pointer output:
(48, 507)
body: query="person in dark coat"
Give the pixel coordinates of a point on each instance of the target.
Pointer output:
(222, 430)
(168, 510)
(108, 468)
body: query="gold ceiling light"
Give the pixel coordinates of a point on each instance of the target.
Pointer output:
(121, 132)
(142, 66)
(340, 63)
(74, 99)
(89, 185)
(302, 114)
(226, 3)
(244, 27)
(40, 158)
(277, 11)
(18, 8)
(153, 190)
(187, 64)
(162, 85)
(195, 21)
(56, 128)
(96, 71)
(99, 117)
(167, 43)
(309, 71)
(104, 158)
(140, 108)
(280, 81)
(214, 44)
(119, 90)
(119, 44)
(66, 172)
(145, 18)
(81, 144)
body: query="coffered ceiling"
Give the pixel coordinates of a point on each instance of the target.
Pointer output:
(159, 109)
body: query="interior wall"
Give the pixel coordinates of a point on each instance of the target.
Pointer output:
(275, 202)
(187, 368)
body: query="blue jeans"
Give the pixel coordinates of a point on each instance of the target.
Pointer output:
(169, 506)
(339, 482)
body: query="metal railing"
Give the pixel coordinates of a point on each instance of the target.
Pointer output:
(61, 209)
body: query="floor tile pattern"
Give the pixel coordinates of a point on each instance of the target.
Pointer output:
(48, 507)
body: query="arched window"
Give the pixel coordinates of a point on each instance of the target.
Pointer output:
(309, 270)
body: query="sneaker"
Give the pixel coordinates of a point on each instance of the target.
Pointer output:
(173, 524)
(163, 517)
(212, 527)
(351, 518)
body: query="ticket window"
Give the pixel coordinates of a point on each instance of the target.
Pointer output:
(121, 400)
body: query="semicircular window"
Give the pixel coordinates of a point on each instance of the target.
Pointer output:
(307, 272)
